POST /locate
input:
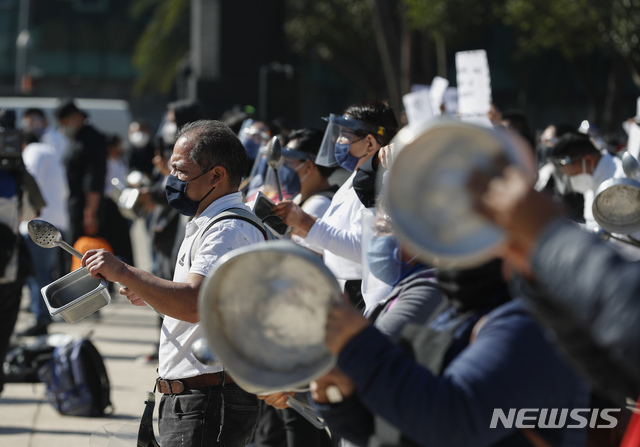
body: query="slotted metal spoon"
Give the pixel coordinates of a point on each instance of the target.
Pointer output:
(47, 235)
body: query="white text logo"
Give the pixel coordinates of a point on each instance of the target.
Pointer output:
(554, 418)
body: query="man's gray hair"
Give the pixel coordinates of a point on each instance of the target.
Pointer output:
(217, 145)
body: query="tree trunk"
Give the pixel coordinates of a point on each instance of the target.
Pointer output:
(405, 57)
(441, 56)
(612, 98)
(592, 104)
(388, 44)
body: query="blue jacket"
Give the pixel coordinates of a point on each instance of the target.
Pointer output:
(510, 365)
(590, 295)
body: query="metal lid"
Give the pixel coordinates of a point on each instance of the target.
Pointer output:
(263, 310)
(616, 205)
(426, 189)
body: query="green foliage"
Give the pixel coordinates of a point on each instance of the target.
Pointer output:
(164, 43)
(454, 20)
(624, 29)
(326, 27)
(338, 32)
(571, 26)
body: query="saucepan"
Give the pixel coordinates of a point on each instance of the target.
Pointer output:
(263, 310)
(616, 205)
(127, 195)
(426, 189)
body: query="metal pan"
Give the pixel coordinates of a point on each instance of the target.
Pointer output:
(263, 311)
(426, 189)
(616, 205)
(76, 295)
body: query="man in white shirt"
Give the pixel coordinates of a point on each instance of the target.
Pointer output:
(201, 405)
(586, 167)
(42, 162)
(35, 120)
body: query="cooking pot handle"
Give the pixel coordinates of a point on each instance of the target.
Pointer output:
(307, 412)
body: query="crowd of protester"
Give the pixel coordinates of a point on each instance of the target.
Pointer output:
(427, 356)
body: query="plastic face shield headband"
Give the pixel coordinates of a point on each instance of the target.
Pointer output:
(341, 129)
(298, 155)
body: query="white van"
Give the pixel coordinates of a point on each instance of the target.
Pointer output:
(107, 115)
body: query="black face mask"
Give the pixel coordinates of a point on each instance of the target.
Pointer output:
(475, 288)
(176, 191)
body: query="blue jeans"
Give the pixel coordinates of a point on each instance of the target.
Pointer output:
(195, 418)
(44, 260)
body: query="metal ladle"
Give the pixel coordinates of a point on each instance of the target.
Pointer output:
(605, 236)
(46, 235)
(274, 154)
(630, 166)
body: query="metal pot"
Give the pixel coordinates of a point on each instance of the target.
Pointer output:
(616, 205)
(263, 311)
(426, 189)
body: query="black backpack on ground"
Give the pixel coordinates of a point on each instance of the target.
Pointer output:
(76, 380)
(22, 362)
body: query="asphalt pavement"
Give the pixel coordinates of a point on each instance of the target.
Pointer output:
(122, 334)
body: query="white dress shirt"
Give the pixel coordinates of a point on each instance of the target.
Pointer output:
(175, 358)
(43, 163)
(54, 138)
(338, 234)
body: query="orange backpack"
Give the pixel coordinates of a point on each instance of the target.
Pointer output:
(85, 243)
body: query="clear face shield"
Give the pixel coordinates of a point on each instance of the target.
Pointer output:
(341, 131)
(265, 181)
(243, 128)
(254, 137)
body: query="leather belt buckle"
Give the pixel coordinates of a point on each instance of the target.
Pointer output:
(170, 386)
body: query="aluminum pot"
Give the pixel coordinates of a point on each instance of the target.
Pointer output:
(263, 311)
(616, 205)
(426, 189)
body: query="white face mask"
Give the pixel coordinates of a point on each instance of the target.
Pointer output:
(139, 139)
(581, 183)
(304, 177)
(169, 132)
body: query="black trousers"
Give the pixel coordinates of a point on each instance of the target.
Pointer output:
(287, 428)
(10, 295)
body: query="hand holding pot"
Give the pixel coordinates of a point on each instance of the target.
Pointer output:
(343, 323)
(332, 388)
(277, 400)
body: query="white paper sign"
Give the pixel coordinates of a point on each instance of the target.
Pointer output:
(633, 143)
(436, 93)
(474, 85)
(417, 106)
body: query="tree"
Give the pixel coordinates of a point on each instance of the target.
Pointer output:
(338, 33)
(163, 44)
(580, 29)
